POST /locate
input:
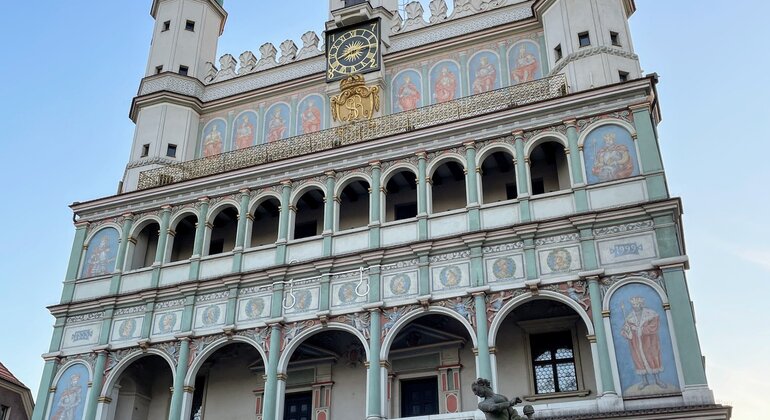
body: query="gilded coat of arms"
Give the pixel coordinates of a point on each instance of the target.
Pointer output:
(356, 101)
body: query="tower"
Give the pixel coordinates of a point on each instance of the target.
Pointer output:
(184, 39)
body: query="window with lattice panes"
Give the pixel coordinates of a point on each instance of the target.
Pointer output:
(553, 362)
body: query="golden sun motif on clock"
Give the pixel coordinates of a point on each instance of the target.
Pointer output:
(353, 50)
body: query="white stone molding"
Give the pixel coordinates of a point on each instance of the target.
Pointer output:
(267, 58)
(288, 52)
(309, 46)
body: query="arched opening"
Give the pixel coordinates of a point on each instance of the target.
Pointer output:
(145, 247)
(498, 178)
(326, 378)
(545, 341)
(448, 187)
(401, 196)
(183, 239)
(548, 168)
(264, 227)
(224, 231)
(143, 391)
(354, 205)
(431, 368)
(309, 218)
(229, 384)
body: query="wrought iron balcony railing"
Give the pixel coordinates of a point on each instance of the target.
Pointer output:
(361, 131)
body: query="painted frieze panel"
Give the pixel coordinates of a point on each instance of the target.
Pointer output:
(504, 268)
(400, 285)
(311, 114)
(445, 82)
(450, 277)
(559, 260)
(127, 329)
(79, 335)
(610, 154)
(210, 315)
(642, 340)
(165, 323)
(253, 308)
(297, 300)
(69, 401)
(406, 91)
(349, 290)
(245, 130)
(524, 62)
(277, 122)
(101, 253)
(213, 137)
(484, 72)
(627, 249)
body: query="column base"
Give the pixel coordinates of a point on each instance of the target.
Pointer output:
(610, 402)
(375, 418)
(698, 395)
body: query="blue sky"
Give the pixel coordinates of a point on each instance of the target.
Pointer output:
(72, 68)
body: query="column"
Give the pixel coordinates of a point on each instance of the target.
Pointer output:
(374, 387)
(160, 251)
(424, 280)
(464, 73)
(329, 199)
(271, 372)
(607, 383)
(482, 335)
(200, 233)
(76, 254)
(471, 179)
(283, 223)
(576, 165)
(240, 236)
(121, 256)
(522, 180)
(375, 205)
(530, 258)
(232, 306)
(649, 152)
(177, 396)
(422, 196)
(505, 79)
(147, 322)
(46, 382)
(96, 383)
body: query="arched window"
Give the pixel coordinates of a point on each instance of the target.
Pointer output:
(264, 227)
(354, 205)
(309, 218)
(548, 168)
(498, 178)
(183, 240)
(143, 391)
(448, 187)
(224, 231)
(145, 247)
(401, 196)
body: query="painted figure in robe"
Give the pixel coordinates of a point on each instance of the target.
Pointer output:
(641, 330)
(100, 261)
(526, 66)
(485, 77)
(276, 127)
(212, 144)
(408, 95)
(69, 401)
(311, 118)
(445, 86)
(612, 161)
(244, 134)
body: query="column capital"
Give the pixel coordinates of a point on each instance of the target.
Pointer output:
(518, 134)
(570, 123)
(422, 154)
(286, 183)
(471, 144)
(330, 174)
(592, 275)
(128, 216)
(165, 208)
(375, 164)
(82, 224)
(644, 106)
(680, 261)
(244, 191)
(204, 199)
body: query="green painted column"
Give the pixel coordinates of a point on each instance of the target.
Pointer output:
(232, 305)
(58, 333)
(283, 223)
(666, 235)
(649, 152)
(605, 367)
(96, 384)
(374, 391)
(482, 331)
(375, 204)
(329, 199)
(160, 251)
(128, 221)
(522, 180)
(464, 71)
(425, 74)
(505, 79)
(685, 331)
(424, 280)
(46, 382)
(422, 196)
(271, 381)
(530, 258)
(374, 284)
(576, 166)
(240, 235)
(293, 117)
(177, 396)
(200, 233)
(147, 323)
(471, 179)
(76, 254)
(324, 300)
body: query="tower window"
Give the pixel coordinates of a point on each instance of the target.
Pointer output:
(557, 53)
(183, 70)
(553, 362)
(171, 150)
(189, 26)
(145, 150)
(166, 26)
(615, 38)
(623, 76)
(158, 69)
(584, 39)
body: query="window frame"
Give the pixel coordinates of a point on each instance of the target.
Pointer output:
(166, 26)
(5, 412)
(584, 35)
(615, 39)
(189, 25)
(184, 70)
(169, 148)
(414, 376)
(145, 151)
(558, 53)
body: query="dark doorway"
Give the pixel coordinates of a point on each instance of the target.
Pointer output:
(419, 397)
(298, 406)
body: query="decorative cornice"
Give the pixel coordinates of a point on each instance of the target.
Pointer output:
(588, 52)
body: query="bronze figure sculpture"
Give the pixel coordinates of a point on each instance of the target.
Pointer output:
(496, 406)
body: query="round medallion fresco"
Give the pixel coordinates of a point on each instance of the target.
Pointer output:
(127, 328)
(167, 322)
(451, 276)
(504, 268)
(304, 300)
(254, 307)
(211, 315)
(559, 260)
(347, 293)
(400, 284)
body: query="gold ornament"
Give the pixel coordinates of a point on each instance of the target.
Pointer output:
(356, 101)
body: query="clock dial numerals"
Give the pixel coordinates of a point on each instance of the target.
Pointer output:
(352, 51)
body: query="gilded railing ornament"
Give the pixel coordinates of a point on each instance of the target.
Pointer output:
(356, 101)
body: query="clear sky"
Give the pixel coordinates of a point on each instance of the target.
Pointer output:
(70, 70)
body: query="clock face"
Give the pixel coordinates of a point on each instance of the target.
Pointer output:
(353, 50)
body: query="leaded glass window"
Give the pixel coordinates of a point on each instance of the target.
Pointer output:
(553, 362)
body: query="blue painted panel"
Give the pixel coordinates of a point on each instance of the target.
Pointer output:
(445, 82)
(245, 130)
(484, 72)
(277, 123)
(101, 254)
(406, 91)
(609, 154)
(70, 398)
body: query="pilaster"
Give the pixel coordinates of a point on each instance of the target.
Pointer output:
(96, 383)
(283, 222)
(165, 215)
(240, 236)
(576, 166)
(76, 254)
(522, 180)
(329, 198)
(128, 222)
(177, 396)
(200, 231)
(422, 196)
(649, 152)
(49, 371)
(374, 205)
(471, 180)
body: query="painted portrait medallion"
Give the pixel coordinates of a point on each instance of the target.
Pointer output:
(610, 154)
(102, 253)
(451, 276)
(304, 300)
(71, 391)
(211, 315)
(504, 268)
(400, 284)
(347, 293)
(167, 322)
(559, 260)
(127, 328)
(254, 307)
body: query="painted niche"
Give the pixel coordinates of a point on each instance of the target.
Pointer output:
(524, 62)
(406, 91)
(610, 154)
(101, 254)
(445, 82)
(245, 130)
(212, 140)
(277, 122)
(484, 72)
(310, 114)
(642, 339)
(71, 390)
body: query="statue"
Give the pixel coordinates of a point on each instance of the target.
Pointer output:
(496, 406)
